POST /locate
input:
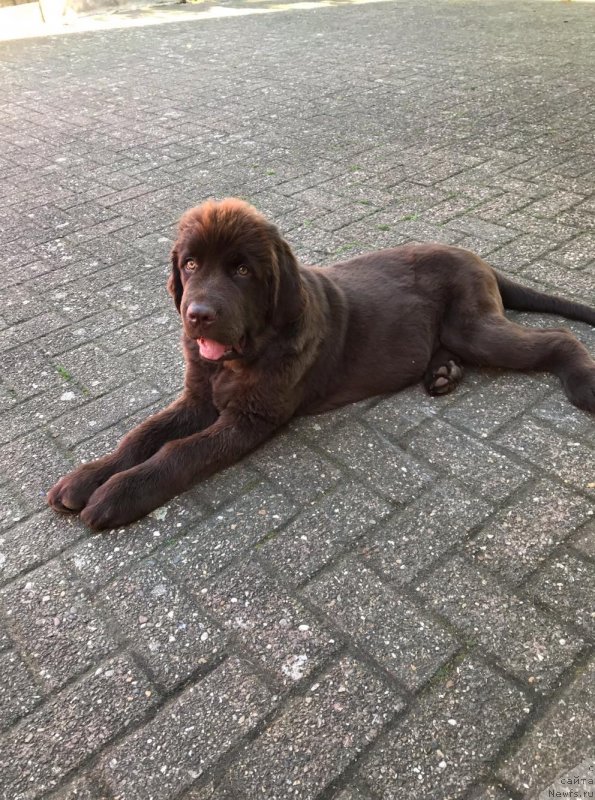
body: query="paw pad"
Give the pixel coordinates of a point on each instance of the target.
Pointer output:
(444, 378)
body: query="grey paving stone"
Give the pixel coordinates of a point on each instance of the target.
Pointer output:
(538, 165)
(223, 487)
(584, 541)
(99, 559)
(316, 736)
(127, 338)
(401, 637)
(19, 693)
(529, 643)
(540, 445)
(272, 624)
(520, 253)
(210, 791)
(98, 371)
(72, 726)
(53, 621)
(552, 204)
(410, 199)
(7, 398)
(490, 792)
(399, 413)
(102, 443)
(211, 545)
(579, 775)
(29, 330)
(473, 226)
(482, 469)
(523, 534)
(74, 427)
(131, 300)
(18, 304)
(577, 253)
(171, 633)
(386, 468)
(559, 280)
(417, 230)
(492, 398)
(556, 232)
(40, 375)
(188, 735)
(99, 157)
(562, 738)
(587, 205)
(568, 419)
(317, 426)
(495, 209)
(417, 536)
(352, 793)
(82, 331)
(457, 203)
(36, 412)
(335, 220)
(5, 640)
(81, 298)
(313, 245)
(447, 737)
(291, 464)
(110, 247)
(34, 540)
(319, 198)
(483, 247)
(360, 191)
(113, 225)
(83, 788)
(141, 414)
(319, 534)
(567, 585)
(12, 509)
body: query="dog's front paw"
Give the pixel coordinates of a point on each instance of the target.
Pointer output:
(119, 501)
(73, 491)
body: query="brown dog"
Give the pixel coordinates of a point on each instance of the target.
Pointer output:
(266, 339)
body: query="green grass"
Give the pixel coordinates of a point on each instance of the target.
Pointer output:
(345, 248)
(63, 373)
(268, 537)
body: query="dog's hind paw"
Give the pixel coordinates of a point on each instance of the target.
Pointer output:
(444, 378)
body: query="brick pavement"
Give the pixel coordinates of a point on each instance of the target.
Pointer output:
(391, 601)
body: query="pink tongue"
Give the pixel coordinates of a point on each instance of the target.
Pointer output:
(211, 349)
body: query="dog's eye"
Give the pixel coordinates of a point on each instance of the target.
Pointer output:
(242, 270)
(190, 265)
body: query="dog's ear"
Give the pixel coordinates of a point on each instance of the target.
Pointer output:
(287, 301)
(174, 282)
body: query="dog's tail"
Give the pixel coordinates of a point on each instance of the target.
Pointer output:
(522, 298)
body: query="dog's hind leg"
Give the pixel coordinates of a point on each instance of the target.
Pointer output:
(494, 341)
(444, 372)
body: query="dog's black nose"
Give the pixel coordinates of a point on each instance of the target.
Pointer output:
(200, 314)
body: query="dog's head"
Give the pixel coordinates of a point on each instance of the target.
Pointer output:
(233, 277)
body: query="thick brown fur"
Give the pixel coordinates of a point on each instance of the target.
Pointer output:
(306, 340)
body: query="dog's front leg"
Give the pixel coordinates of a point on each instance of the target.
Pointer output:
(178, 465)
(182, 418)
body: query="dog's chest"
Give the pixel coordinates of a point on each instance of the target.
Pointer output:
(228, 384)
